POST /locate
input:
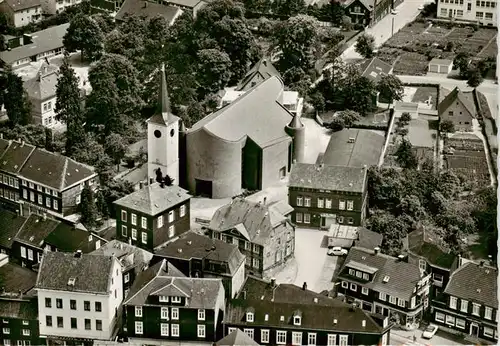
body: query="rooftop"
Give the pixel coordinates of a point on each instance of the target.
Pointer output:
(19, 309)
(458, 96)
(368, 239)
(16, 279)
(66, 238)
(425, 243)
(374, 69)
(154, 199)
(35, 230)
(15, 156)
(263, 68)
(130, 256)
(236, 338)
(147, 9)
(19, 5)
(43, 86)
(326, 177)
(10, 224)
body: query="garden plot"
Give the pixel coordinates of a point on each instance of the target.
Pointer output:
(422, 131)
(424, 94)
(412, 64)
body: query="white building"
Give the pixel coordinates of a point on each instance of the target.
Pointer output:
(57, 6)
(78, 296)
(21, 12)
(479, 11)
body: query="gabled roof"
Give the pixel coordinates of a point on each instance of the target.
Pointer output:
(43, 85)
(128, 255)
(402, 276)
(374, 69)
(422, 242)
(67, 238)
(257, 115)
(194, 246)
(15, 156)
(264, 68)
(251, 219)
(457, 96)
(35, 230)
(236, 338)
(147, 9)
(92, 272)
(476, 283)
(154, 199)
(19, 5)
(16, 279)
(368, 4)
(326, 177)
(10, 224)
(368, 239)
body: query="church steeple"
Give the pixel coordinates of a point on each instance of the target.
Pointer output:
(163, 114)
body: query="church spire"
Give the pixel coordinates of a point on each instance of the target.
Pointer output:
(164, 99)
(295, 123)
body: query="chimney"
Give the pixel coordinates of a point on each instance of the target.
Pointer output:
(20, 294)
(141, 185)
(376, 250)
(244, 294)
(151, 180)
(165, 266)
(265, 200)
(273, 282)
(264, 62)
(78, 254)
(363, 323)
(304, 286)
(145, 4)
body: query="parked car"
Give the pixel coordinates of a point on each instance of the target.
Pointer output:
(337, 251)
(430, 331)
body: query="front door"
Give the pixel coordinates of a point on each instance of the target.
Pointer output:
(323, 222)
(474, 329)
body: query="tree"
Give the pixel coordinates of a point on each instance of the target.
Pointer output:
(405, 156)
(365, 45)
(289, 7)
(349, 117)
(15, 99)
(475, 78)
(390, 87)
(461, 62)
(84, 34)
(115, 189)
(116, 148)
(317, 100)
(88, 208)
(214, 69)
(405, 118)
(297, 79)
(447, 126)
(336, 11)
(104, 21)
(101, 205)
(359, 95)
(347, 23)
(68, 105)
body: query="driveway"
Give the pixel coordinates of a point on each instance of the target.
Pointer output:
(403, 337)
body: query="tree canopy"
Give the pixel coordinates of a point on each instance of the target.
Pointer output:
(365, 45)
(84, 34)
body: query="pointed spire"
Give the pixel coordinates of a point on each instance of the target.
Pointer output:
(182, 128)
(164, 100)
(295, 123)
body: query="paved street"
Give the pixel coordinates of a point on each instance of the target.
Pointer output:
(402, 337)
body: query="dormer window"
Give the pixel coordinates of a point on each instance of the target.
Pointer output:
(249, 316)
(282, 318)
(176, 299)
(163, 299)
(297, 320)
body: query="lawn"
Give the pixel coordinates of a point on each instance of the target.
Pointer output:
(379, 118)
(422, 94)
(409, 63)
(422, 131)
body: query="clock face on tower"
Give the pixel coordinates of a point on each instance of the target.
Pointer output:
(157, 133)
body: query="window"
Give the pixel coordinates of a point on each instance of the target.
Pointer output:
(176, 299)
(366, 276)
(59, 303)
(86, 305)
(138, 311)
(78, 199)
(401, 302)
(359, 274)
(144, 237)
(479, 15)
(281, 337)
(298, 217)
(256, 248)
(32, 196)
(264, 336)
(382, 296)
(124, 215)
(175, 312)
(6, 330)
(201, 314)
(460, 13)
(160, 221)
(164, 313)
(328, 203)
(460, 323)
(297, 338)
(98, 324)
(56, 206)
(488, 332)
(350, 205)
(256, 263)
(144, 222)
(354, 287)
(392, 300)
(463, 305)
(249, 332)
(98, 306)
(343, 339)
(307, 201)
(48, 321)
(299, 202)
(488, 16)
(345, 284)
(321, 202)
(73, 323)
(488, 313)
(352, 272)
(40, 199)
(138, 327)
(171, 216)
(163, 299)
(87, 324)
(124, 231)
(307, 218)
(23, 252)
(25, 196)
(133, 219)
(126, 278)
(364, 290)
(450, 320)
(341, 205)
(60, 322)
(72, 304)
(311, 339)
(422, 265)
(134, 234)
(439, 317)
(453, 302)
(175, 330)
(164, 329)
(182, 211)
(47, 200)
(475, 309)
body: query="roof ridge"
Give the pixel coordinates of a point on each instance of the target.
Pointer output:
(146, 285)
(63, 179)
(21, 166)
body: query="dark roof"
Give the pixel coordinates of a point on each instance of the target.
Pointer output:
(4, 144)
(18, 5)
(19, 309)
(368, 4)
(425, 243)
(374, 69)
(44, 84)
(368, 239)
(193, 245)
(15, 157)
(264, 68)
(457, 95)
(163, 114)
(475, 283)
(326, 177)
(15, 279)
(67, 238)
(130, 256)
(92, 272)
(10, 224)
(147, 9)
(54, 170)
(153, 199)
(236, 338)
(35, 230)
(403, 276)
(354, 148)
(253, 220)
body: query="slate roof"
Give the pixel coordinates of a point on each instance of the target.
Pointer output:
(368, 4)
(66, 238)
(35, 230)
(263, 67)
(10, 224)
(457, 96)
(4, 144)
(374, 69)
(195, 246)
(19, 5)
(326, 177)
(92, 272)
(130, 256)
(368, 239)
(475, 283)
(403, 276)
(43, 41)
(257, 114)
(147, 9)
(425, 243)
(17, 279)
(23, 310)
(365, 150)
(253, 220)
(43, 86)
(163, 114)
(236, 338)
(15, 157)
(153, 199)
(55, 171)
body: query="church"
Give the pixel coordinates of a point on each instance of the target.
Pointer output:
(249, 144)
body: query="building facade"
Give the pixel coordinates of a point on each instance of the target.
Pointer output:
(57, 6)
(459, 109)
(482, 12)
(21, 13)
(19, 319)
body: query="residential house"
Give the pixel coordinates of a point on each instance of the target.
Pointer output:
(20, 13)
(81, 302)
(385, 285)
(192, 6)
(348, 236)
(152, 215)
(432, 255)
(42, 94)
(288, 314)
(160, 306)
(199, 256)
(369, 12)
(57, 6)
(110, 7)
(71, 238)
(134, 260)
(17, 282)
(482, 12)
(10, 224)
(441, 66)
(323, 195)
(236, 338)
(36, 46)
(368, 239)
(469, 303)
(263, 232)
(458, 108)
(374, 69)
(149, 10)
